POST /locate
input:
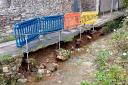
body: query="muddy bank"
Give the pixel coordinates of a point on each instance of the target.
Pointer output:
(47, 55)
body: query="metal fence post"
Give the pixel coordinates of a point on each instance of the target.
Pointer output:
(111, 6)
(93, 27)
(59, 38)
(26, 38)
(80, 34)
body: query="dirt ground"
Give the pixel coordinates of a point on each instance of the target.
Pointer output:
(81, 65)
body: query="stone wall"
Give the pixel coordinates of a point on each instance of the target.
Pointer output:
(31, 8)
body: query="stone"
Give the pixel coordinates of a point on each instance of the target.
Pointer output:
(52, 67)
(42, 66)
(47, 60)
(5, 69)
(14, 68)
(29, 79)
(59, 81)
(22, 80)
(9, 73)
(72, 48)
(55, 64)
(48, 75)
(78, 42)
(20, 75)
(48, 71)
(17, 18)
(41, 71)
(59, 57)
(33, 69)
(89, 37)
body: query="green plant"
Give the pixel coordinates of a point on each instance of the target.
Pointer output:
(112, 76)
(109, 74)
(33, 61)
(5, 59)
(84, 83)
(102, 58)
(116, 73)
(112, 25)
(104, 54)
(1, 79)
(38, 78)
(120, 39)
(7, 38)
(125, 3)
(79, 62)
(63, 52)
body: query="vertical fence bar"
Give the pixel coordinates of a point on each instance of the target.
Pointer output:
(59, 38)
(80, 16)
(112, 6)
(26, 38)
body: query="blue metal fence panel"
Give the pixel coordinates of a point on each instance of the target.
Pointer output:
(35, 27)
(51, 23)
(29, 27)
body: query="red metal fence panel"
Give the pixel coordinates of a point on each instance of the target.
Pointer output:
(71, 20)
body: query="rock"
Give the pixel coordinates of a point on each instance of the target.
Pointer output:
(56, 65)
(47, 60)
(42, 66)
(78, 42)
(5, 69)
(41, 71)
(22, 80)
(59, 81)
(78, 49)
(17, 18)
(29, 79)
(33, 69)
(19, 75)
(14, 68)
(72, 48)
(48, 71)
(89, 37)
(62, 58)
(52, 67)
(9, 73)
(48, 75)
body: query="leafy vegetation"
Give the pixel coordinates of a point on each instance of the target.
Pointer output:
(32, 61)
(84, 83)
(113, 25)
(113, 73)
(125, 3)
(8, 69)
(120, 39)
(8, 38)
(5, 59)
(102, 58)
(108, 74)
(64, 52)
